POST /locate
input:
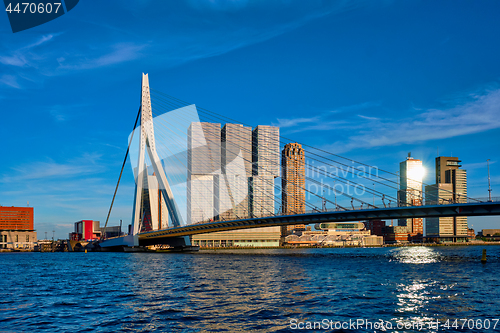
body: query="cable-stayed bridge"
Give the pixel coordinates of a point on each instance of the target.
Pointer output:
(192, 178)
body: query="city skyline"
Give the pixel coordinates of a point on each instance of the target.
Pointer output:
(371, 94)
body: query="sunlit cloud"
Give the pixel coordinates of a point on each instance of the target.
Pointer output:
(478, 114)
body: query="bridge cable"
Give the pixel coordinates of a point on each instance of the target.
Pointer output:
(321, 150)
(121, 172)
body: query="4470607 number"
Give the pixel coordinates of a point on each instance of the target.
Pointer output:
(31, 7)
(471, 324)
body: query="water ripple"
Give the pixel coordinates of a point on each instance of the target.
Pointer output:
(244, 290)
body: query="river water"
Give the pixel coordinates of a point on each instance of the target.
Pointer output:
(279, 290)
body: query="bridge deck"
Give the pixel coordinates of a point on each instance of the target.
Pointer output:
(464, 209)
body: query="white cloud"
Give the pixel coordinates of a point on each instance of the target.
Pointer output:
(24, 56)
(479, 114)
(84, 165)
(120, 52)
(10, 80)
(326, 120)
(368, 118)
(291, 122)
(479, 165)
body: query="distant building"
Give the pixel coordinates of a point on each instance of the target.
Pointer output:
(471, 234)
(293, 181)
(396, 235)
(153, 205)
(450, 187)
(86, 230)
(255, 237)
(410, 193)
(490, 233)
(158, 214)
(376, 227)
(16, 228)
(89, 230)
(336, 234)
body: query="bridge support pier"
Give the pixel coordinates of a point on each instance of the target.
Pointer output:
(182, 243)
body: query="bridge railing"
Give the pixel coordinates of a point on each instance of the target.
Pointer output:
(352, 207)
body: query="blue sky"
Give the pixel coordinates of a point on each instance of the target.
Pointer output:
(371, 80)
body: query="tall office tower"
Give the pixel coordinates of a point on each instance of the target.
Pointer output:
(450, 187)
(204, 169)
(236, 155)
(158, 207)
(444, 164)
(410, 192)
(293, 181)
(152, 205)
(265, 158)
(439, 194)
(266, 151)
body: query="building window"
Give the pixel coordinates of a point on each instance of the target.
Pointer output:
(17, 238)
(27, 238)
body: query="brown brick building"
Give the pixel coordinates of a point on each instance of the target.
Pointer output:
(293, 181)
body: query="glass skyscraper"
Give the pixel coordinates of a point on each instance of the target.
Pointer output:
(410, 192)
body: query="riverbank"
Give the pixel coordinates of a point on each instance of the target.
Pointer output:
(211, 249)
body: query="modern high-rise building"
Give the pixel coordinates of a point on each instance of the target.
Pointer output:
(410, 192)
(236, 149)
(204, 169)
(249, 164)
(266, 167)
(266, 151)
(444, 164)
(450, 187)
(236, 152)
(293, 179)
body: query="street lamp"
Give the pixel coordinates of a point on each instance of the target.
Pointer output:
(373, 194)
(489, 184)
(335, 193)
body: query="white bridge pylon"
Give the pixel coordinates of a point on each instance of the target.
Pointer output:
(147, 145)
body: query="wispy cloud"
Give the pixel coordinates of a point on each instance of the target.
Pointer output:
(295, 121)
(58, 115)
(118, 53)
(326, 120)
(65, 191)
(478, 114)
(10, 80)
(122, 40)
(84, 165)
(479, 165)
(368, 118)
(24, 55)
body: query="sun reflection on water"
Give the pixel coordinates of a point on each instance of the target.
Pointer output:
(415, 255)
